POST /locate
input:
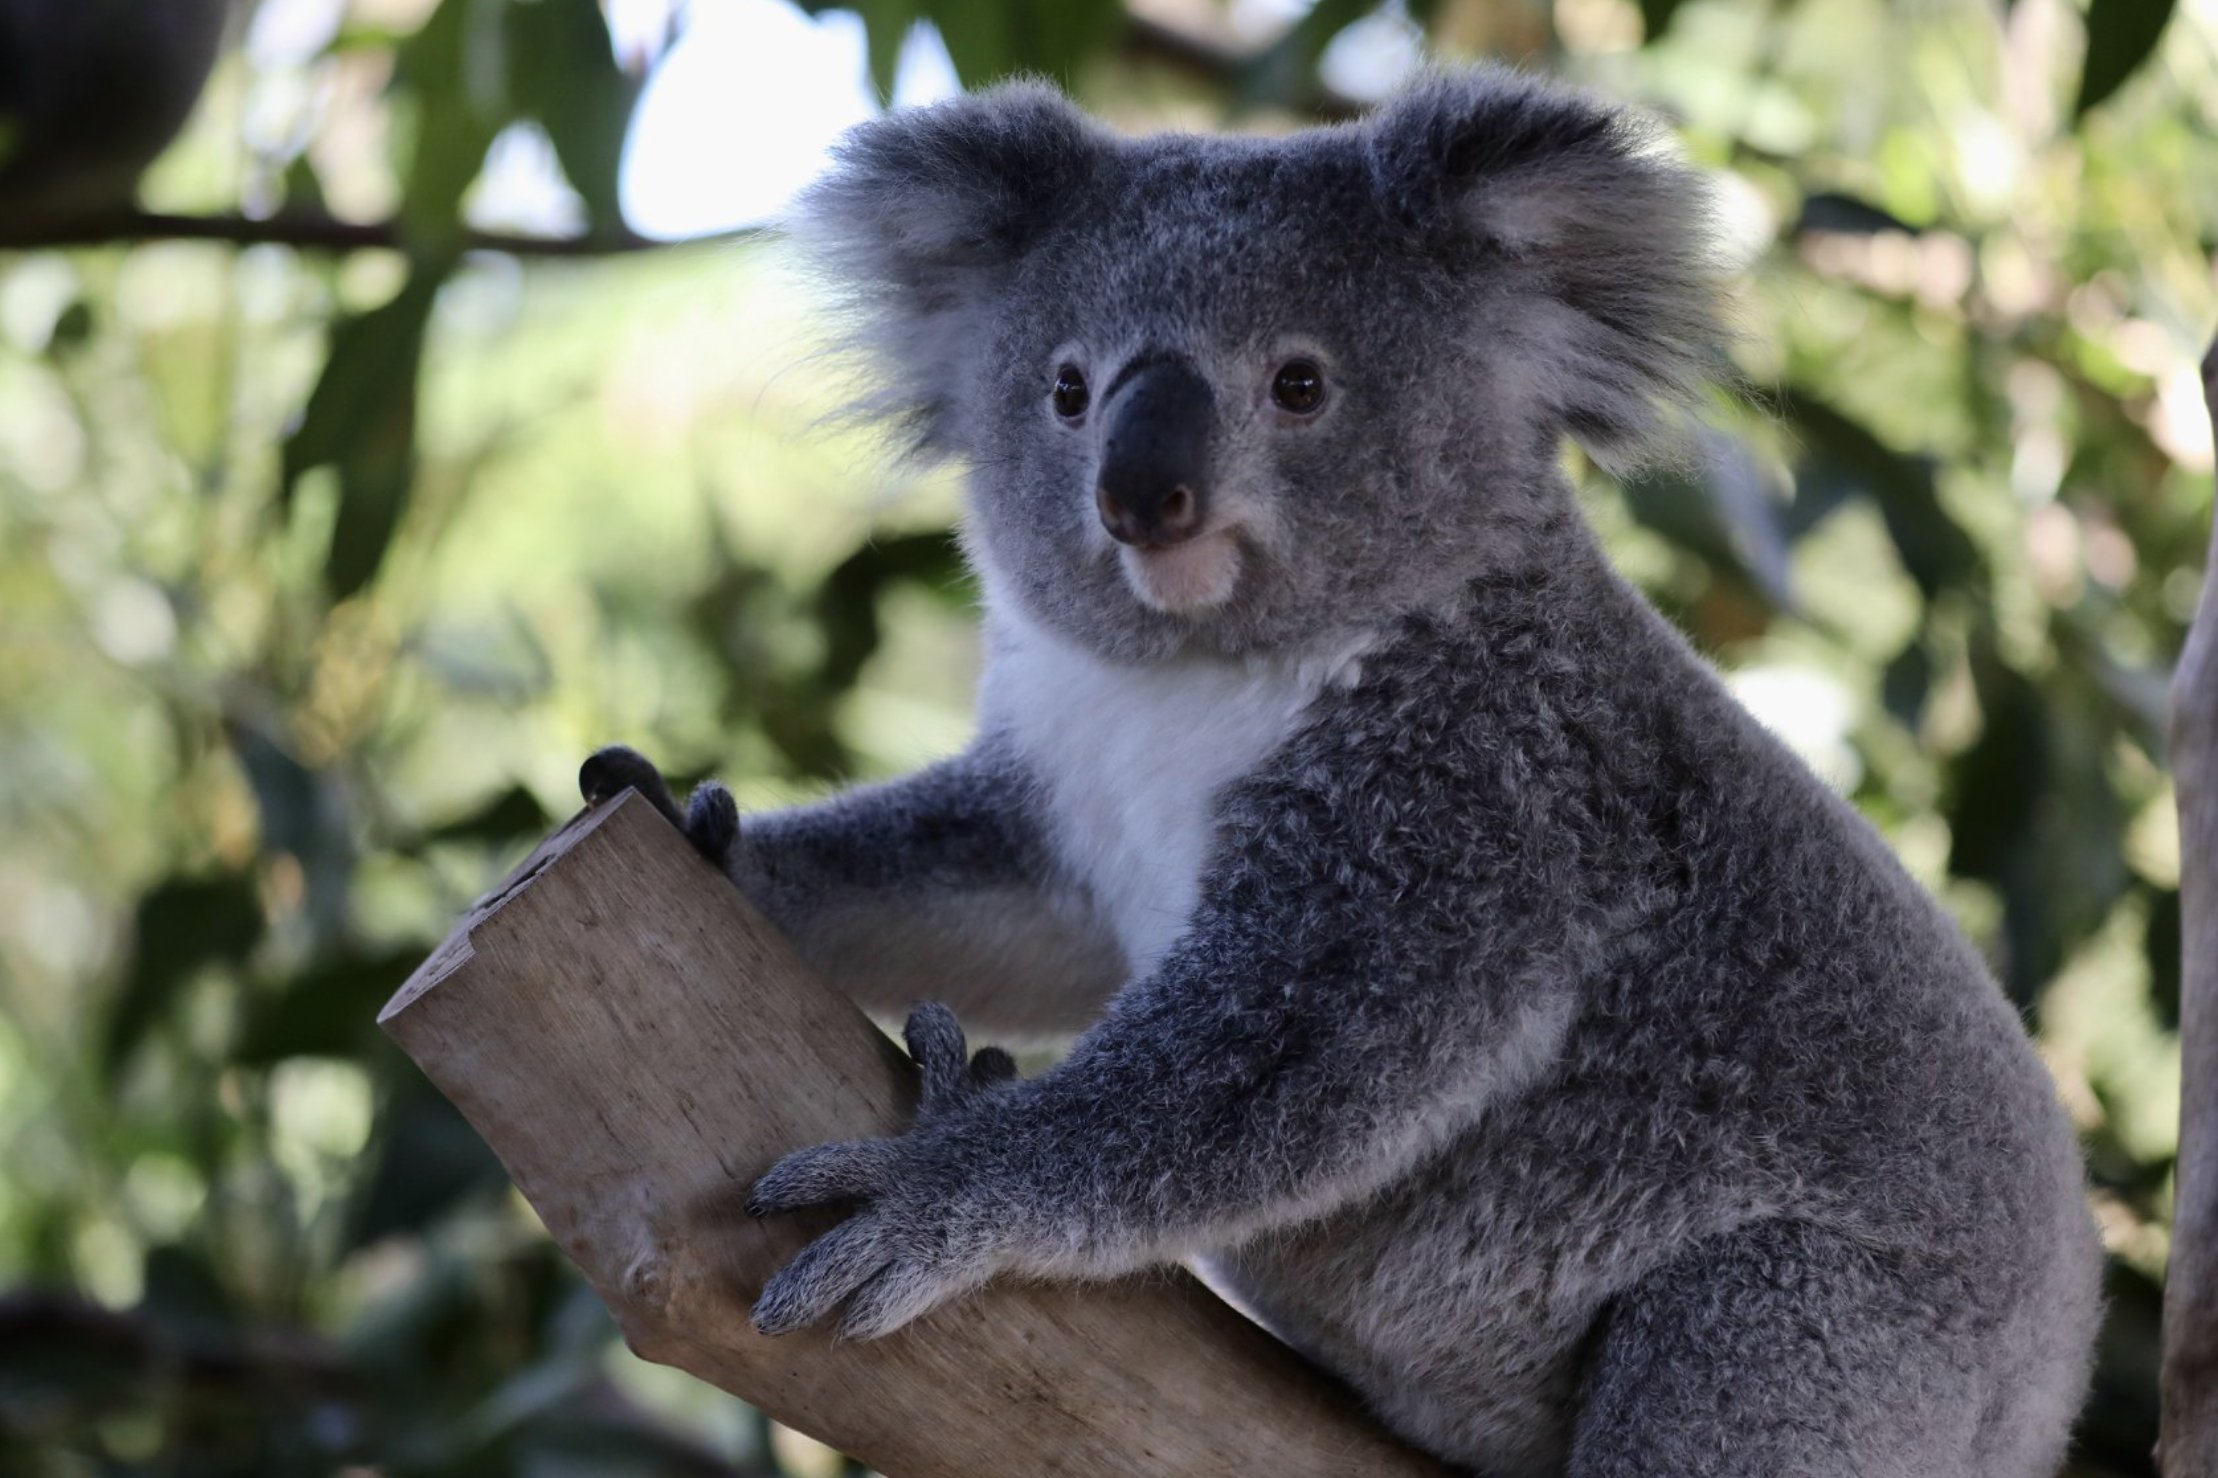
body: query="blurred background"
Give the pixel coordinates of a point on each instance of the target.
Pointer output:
(432, 409)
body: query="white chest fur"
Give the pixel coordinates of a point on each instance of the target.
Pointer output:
(1131, 760)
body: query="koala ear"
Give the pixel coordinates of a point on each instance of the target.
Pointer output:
(1594, 240)
(922, 214)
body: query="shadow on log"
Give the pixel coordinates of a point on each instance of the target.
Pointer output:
(637, 1045)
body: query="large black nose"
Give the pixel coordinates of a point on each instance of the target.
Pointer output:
(1154, 487)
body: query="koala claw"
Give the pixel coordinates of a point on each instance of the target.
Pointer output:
(710, 820)
(908, 1248)
(609, 770)
(823, 1175)
(949, 1075)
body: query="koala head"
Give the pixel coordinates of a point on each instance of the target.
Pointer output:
(1224, 394)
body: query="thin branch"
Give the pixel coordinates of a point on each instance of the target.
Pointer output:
(2189, 1444)
(1147, 39)
(314, 232)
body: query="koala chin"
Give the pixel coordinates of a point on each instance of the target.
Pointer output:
(1184, 579)
(1498, 1009)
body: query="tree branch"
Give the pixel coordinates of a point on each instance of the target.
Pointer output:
(2189, 1442)
(311, 232)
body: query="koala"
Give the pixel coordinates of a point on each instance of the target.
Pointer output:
(1459, 974)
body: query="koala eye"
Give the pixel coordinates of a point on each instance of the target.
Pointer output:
(1299, 386)
(1070, 395)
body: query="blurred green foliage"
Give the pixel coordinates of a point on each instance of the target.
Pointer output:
(319, 573)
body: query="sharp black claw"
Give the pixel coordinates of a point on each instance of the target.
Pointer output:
(609, 772)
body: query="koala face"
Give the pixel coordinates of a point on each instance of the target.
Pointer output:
(1225, 394)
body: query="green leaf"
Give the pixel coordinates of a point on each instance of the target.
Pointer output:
(979, 40)
(302, 189)
(513, 814)
(328, 1010)
(455, 71)
(429, 1160)
(1907, 683)
(71, 329)
(2161, 942)
(180, 925)
(886, 27)
(2033, 815)
(847, 604)
(1286, 71)
(361, 421)
(1057, 40)
(1834, 213)
(2121, 35)
(1723, 513)
(1655, 17)
(184, 1297)
(564, 76)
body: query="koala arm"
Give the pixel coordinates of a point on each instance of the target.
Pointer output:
(937, 886)
(1323, 1026)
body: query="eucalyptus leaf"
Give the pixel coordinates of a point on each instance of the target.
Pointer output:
(2121, 36)
(566, 79)
(361, 420)
(181, 925)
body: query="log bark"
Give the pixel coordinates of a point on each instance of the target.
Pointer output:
(638, 1045)
(2188, 1447)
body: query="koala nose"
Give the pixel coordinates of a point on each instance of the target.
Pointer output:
(1154, 488)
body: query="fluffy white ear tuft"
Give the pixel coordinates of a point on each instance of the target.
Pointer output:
(922, 211)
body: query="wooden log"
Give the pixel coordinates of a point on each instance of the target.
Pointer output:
(637, 1045)
(2189, 1443)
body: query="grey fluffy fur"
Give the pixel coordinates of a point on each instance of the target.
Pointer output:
(1536, 1042)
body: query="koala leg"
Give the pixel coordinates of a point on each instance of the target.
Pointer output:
(1782, 1351)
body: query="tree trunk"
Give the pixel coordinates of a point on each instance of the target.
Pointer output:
(2189, 1445)
(637, 1045)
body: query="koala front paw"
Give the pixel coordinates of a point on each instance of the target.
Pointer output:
(710, 820)
(919, 1235)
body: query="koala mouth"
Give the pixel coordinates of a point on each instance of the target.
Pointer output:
(1187, 578)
